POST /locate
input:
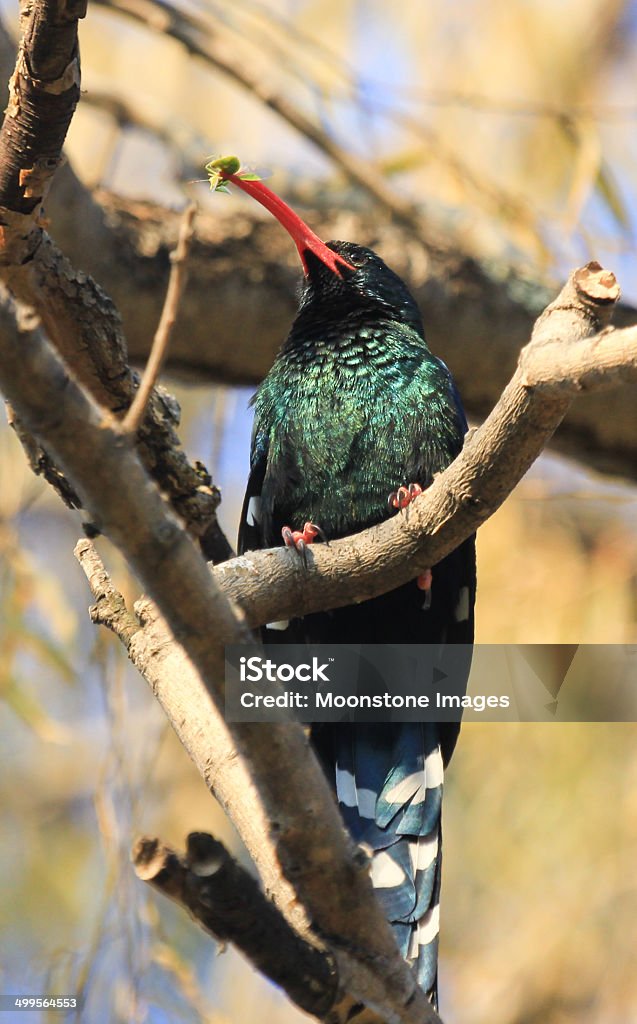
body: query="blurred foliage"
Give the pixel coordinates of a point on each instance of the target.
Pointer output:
(513, 124)
(540, 908)
(561, 560)
(36, 622)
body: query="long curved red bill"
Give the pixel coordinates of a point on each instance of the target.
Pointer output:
(303, 236)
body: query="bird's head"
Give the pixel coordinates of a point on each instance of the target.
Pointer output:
(364, 282)
(343, 275)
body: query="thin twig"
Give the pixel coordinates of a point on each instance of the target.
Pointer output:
(176, 284)
(110, 607)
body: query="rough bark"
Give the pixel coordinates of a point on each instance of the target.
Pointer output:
(225, 900)
(43, 93)
(79, 318)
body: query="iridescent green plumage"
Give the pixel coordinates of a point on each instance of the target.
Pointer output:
(354, 405)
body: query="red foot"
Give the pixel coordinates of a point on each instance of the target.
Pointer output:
(299, 540)
(404, 496)
(425, 580)
(401, 499)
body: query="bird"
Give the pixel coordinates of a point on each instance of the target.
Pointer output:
(354, 419)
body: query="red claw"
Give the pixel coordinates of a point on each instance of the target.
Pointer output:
(404, 496)
(400, 499)
(299, 540)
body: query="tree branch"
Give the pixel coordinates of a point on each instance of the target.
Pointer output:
(565, 356)
(43, 93)
(228, 903)
(174, 292)
(291, 787)
(79, 319)
(202, 730)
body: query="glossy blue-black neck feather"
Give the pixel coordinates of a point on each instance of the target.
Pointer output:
(371, 290)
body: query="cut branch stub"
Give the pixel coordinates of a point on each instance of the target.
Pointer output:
(597, 284)
(225, 900)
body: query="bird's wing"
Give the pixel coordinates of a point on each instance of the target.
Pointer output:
(456, 395)
(251, 532)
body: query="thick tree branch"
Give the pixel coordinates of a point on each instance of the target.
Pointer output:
(228, 903)
(43, 94)
(566, 356)
(204, 734)
(94, 454)
(79, 319)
